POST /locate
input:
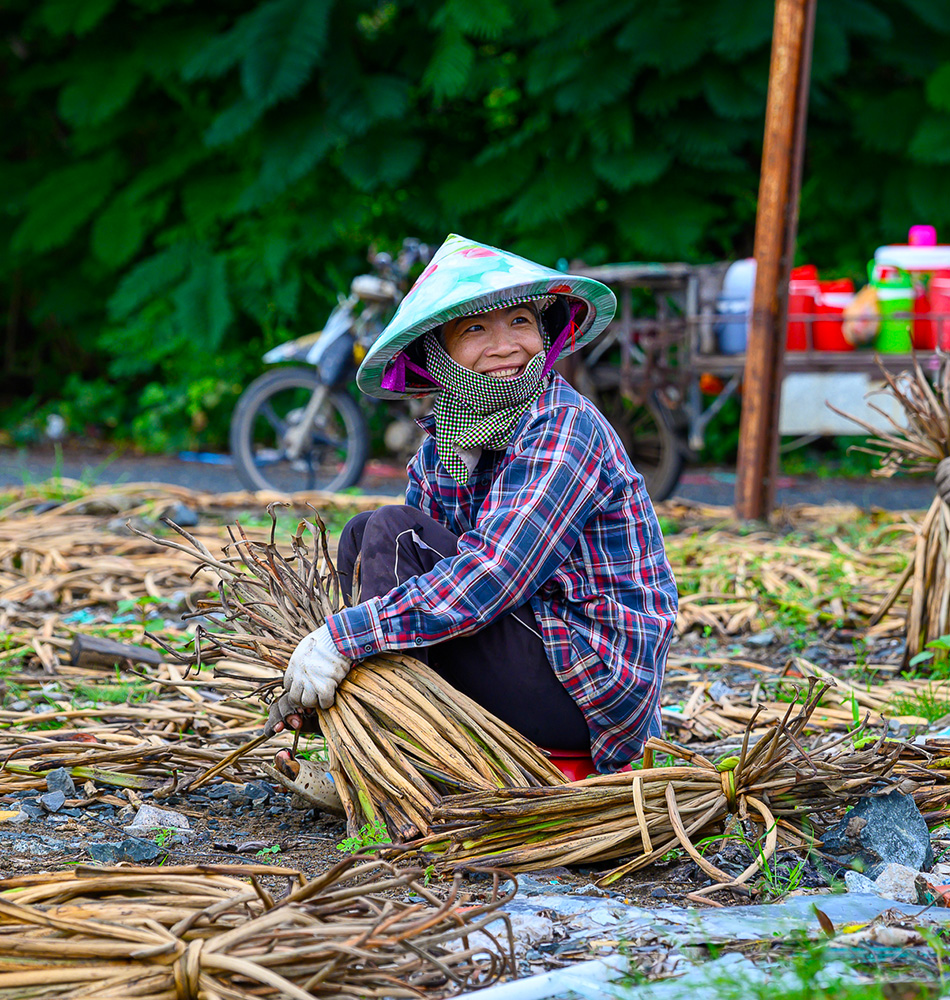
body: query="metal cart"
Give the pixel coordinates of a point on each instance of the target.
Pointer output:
(648, 371)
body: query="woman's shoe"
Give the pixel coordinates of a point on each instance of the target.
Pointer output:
(312, 787)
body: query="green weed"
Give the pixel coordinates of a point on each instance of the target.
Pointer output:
(120, 693)
(162, 835)
(927, 703)
(936, 655)
(370, 835)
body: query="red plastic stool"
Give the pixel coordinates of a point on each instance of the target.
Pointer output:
(575, 765)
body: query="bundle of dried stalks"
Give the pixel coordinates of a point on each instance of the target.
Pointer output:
(399, 737)
(203, 931)
(774, 783)
(918, 445)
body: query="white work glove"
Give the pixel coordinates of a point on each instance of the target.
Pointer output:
(315, 670)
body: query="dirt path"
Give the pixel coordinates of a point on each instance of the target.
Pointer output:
(214, 473)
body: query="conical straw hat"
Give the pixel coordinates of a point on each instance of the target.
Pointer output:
(465, 278)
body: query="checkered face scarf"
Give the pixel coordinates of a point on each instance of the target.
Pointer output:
(475, 410)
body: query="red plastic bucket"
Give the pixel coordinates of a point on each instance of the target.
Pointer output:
(939, 298)
(802, 293)
(833, 296)
(924, 329)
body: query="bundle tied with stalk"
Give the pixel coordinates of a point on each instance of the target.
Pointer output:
(362, 929)
(457, 786)
(774, 792)
(398, 736)
(918, 443)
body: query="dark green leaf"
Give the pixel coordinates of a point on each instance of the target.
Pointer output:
(634, 166)
(148, 279)
(74, 17)
(449, 68)
(552, 194)
(99, 90)
(931, 141)
(63, 201)
(289, 41)
(119, 232)
(938, 88)
(202, 305)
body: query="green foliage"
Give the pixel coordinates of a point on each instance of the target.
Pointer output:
(186, 184)
(370, 835)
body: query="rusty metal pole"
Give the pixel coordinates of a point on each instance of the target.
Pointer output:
(775, 228)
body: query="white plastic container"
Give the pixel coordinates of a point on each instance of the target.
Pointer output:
(739, 281)
(913, 258)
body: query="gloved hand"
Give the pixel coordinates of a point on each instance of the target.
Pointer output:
(315, 670)
(942, 478)
(313, 674)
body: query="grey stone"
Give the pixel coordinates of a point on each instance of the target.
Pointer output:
(40, 600)
(149, 820)
(30, 847)
(52, 801)
(238, 796)
(659, 892)
(61, 780)
(765, 638)
(879, 830)
(856, 882)
(32, 810)
(136, 849)
(897, 882)
(20, 706)
(719, 690)
(182, 515)
(131, 849)
(257, 791)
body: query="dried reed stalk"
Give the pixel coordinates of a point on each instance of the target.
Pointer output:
(775, 784)
(399, 737)
(918, 447)
(181, 933)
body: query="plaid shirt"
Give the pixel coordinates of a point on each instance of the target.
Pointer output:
(561, 518)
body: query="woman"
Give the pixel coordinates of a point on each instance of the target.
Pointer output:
(527, 565)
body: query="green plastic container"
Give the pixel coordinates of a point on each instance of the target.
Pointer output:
(895, 294)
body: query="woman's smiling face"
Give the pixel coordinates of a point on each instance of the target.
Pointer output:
(499, 343)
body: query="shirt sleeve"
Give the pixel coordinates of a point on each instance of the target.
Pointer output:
(533, 516)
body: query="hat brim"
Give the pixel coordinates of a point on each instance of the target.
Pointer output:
(598, 302)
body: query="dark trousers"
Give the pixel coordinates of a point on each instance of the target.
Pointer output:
(502, 666)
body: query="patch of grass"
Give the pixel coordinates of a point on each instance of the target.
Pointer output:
(121, 693)
(928, 704)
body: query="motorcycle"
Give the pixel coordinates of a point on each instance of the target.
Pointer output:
(298, 428)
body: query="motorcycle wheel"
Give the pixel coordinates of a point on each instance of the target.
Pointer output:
(339, 441)
(648, 435)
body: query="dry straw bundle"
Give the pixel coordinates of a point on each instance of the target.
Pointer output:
(398, 736)
(181, 933)
(458, 786)
(775, 784)
(918, 445)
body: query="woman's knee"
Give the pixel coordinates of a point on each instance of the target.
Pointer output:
(351, 536)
